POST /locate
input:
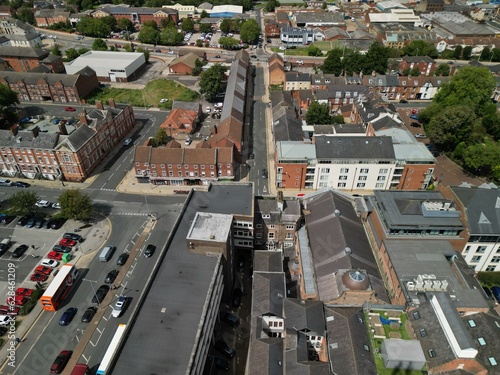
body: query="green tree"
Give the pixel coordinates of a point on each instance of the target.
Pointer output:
(110, 21)
(451, 126)
(495, 54)
(471, 87)
(338, 119)
(94, 27)
(314, 51)
(486, 54)
(7, 99)
(442, 70)
(26, 14)
(151, 24)
(128, 47)
(249, 31)
(161, 138)
(171, 37)
(199, 43)
(318, 114)
(333, 62)
(55, 50)
(376, 59)
(146, 53)
(166, 23)
(225, 26)
(82, 51)
(125, 24)
(71, 54)
(204, 14)
(23, 203)
(467, 52)
(420, 48)
(482, 158)
(229, 43)
(458, 52)
(75, 205)
(491, 123)
(415, 72)
(99, 45)
(213, 81)
(205, 27)
(355, 62)
(271, 5)
(187, 24)
(198, 64)
(148, 35)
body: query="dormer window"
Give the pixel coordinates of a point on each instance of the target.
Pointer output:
(327, 81)
(317, 80)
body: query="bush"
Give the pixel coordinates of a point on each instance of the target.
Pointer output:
(33, 300)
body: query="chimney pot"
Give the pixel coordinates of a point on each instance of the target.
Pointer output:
(111, 103)
(98, 105)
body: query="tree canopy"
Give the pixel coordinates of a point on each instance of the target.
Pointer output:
(421, 48)
(75, 205)
(187, 24)
(23, 203)
(94, 27)
(249, 31)
(149, 35)
(213, 81)
(318, 114)
(99, 45)
(7, 97)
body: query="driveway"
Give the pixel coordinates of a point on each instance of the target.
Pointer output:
(448, 173)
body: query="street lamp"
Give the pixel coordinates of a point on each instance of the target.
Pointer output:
(93, 290)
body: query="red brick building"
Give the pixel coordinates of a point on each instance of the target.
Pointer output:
(138, 15)
(424, 64)
(27, 59)
(180, 121)
(277, 74)
(48, 17)
(97, 133)
(173, 165)
(184, 64)
(58, 88)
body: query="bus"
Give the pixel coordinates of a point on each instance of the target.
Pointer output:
(59, 288)
(109, 356)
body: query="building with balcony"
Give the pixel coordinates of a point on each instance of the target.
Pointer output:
(481, 207)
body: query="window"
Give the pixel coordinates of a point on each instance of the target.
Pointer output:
(325, 170)
(495, 259)
(289, 236)
(476, 259)
(360, 185)
(344, 170)
(270, 235)
(341, 185)
(271, 226)
(481, 250)
(342, 178)
(362, 178)
(379, 185)
(323, 184)
(323, 177)
(163, 166)
(202, 166)
(363, 170)
(383, 170)
(258, 226)
(290, 227)
(467, 249)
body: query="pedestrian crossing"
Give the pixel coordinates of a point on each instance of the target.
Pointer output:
(129, 214)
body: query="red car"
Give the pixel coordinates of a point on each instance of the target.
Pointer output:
(67, 242)
(61, 362)
(55, 255)
(18, 300)
(43, 270)
(9, 310)
(70, 109)
(24, 292)
(38, 278)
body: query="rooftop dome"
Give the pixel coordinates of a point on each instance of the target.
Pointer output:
(355, 280)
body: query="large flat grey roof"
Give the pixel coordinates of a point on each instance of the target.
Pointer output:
(181, 286)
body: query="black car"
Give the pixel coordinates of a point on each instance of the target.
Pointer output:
(31, 222)
(21, 184)
(111, 276)
(150, 249)
(122, 259)
(23, 220)
(39, 222)
(61, 249)
(403, 101)
(100, 294)
(88, 314)
(241, 263)
(20, 250)
(229, 318)
(73, 236)
(236, 301)
(264, 173)
(68, 316)
(488, 292)
(57, 223)
(225, 349)
(7, 219)
(415, 125)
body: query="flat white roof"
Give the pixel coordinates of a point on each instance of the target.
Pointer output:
(118, 60)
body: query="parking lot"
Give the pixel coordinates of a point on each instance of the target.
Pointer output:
(213, 40)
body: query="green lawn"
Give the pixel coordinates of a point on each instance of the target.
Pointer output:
(150, 96)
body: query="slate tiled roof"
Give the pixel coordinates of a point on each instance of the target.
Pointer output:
(301, 315)
(22, 139)
(287, 127)
(30, 78)
(37, 53)
(77, 139)
(268, 294)
(267, 261)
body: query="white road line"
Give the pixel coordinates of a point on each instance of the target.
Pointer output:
(85, 358)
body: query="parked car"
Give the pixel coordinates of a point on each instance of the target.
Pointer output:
(39, 222)
(38, 278)
(229, 318)
(415, 125)
(55, 255)
(16, 300)
(57, 223)
(188, 141)
(49, 263)
(24, 292)
(61, 249)
(73, 236)
(68, 316)
(5, 319)
(122, 259)
(150, 249)
(264, 173)
(31, 222)
(127, 141)
(163, 100)
(56, 205)
(225, 349)
(21, 184)
(88, 314)
(9, 310)
(67, 242)
(488, 292)
(100, 294)
(403, 101)
(23, 220)
(414, 117)
(70, 109)
(111, 276)
(7, 219)
(236, 301)
(120, 306)
(60, 362)
(20, 250)
(43, 270)
(42, 204)
(419, 135)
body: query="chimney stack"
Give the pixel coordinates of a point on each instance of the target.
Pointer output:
(111, 103)
(98, 104)
(35, 131)
(62, 129)
(83, 117)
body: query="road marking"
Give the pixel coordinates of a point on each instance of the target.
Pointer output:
(85, 358)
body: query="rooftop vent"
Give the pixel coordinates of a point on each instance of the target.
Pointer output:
(212, 236)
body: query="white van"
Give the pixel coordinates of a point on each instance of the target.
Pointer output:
(106, 253)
